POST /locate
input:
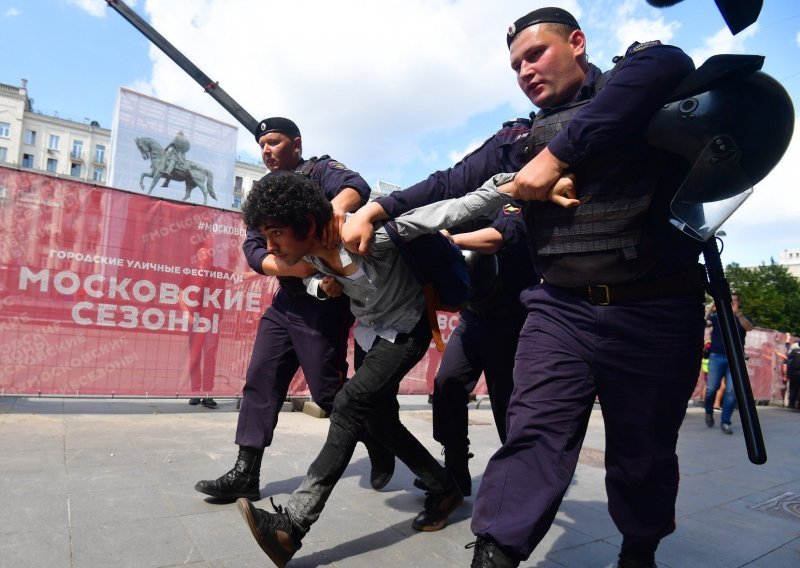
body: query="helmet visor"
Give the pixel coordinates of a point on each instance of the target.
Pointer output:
(715, 188)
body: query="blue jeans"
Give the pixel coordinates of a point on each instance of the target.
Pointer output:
(717, 367)
(371, 397)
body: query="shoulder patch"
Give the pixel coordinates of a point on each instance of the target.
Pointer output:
(336, 165)
(511, 209)
(514, 130)
(637, 47)
(514, 121)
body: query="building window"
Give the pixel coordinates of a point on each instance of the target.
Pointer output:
(237, 202)
(75, 170)
(30, 137)
(99, 174)
(52, 144)
(27, 160)
(237, 184)
(52, 165)
(77, 150)
(3, 154)
(5, 130)
(100, 154)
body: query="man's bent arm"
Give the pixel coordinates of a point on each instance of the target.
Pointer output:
(347, 200)
(487, 240)
(451, 212)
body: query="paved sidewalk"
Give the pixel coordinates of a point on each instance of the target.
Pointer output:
(92, 483)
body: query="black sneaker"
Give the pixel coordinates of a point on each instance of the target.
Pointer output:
(273, 532)
(488, 555)
(208, 402)
(709, 420)
(438, 507)
(194, 401)
(726, 428)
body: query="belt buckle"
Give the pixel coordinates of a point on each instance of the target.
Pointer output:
(601, 299)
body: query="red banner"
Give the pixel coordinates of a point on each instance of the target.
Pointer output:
(105, 292)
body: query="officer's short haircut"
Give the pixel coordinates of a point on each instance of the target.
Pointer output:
(287, 199)
(562, 30)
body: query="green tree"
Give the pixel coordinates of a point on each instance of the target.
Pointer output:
(770, 295)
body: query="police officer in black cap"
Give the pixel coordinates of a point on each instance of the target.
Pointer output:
(619, 314)
(297, 330)
(485, 339)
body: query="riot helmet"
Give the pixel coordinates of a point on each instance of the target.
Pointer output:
(732, 123)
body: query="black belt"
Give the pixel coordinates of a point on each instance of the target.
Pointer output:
(677, 284)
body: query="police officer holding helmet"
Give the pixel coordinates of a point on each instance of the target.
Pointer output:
(612, 267)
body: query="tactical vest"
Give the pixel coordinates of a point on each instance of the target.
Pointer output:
(293, 285)
(307, 166)
(602, 222)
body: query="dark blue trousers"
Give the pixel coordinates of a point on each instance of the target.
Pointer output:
(478, 345)
(294, 332)
(641, 360)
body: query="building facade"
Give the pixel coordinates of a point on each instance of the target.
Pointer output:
(66, 148)
(790, 258)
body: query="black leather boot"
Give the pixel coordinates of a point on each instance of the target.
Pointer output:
(241, 481)
(488, 555)
(637, 554)
(438, 507)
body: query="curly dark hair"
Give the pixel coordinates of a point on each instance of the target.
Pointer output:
(287, 198)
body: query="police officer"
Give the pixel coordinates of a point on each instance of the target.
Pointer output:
(297, 330)
(612, 268)
(619, 314)
(485, 340)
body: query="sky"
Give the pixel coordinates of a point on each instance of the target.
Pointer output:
(395, 89)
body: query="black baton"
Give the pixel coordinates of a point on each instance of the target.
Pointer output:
(721, 292)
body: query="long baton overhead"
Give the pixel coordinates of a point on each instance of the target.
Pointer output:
(211, 87)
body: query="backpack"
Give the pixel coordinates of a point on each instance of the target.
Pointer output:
(439, 267)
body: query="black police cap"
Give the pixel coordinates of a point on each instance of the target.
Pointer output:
(541, 16)
(276, 124)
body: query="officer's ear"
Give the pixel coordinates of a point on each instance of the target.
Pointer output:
(297, 144)
(577, 41)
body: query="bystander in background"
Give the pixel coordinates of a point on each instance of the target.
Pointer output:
(718, 365)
